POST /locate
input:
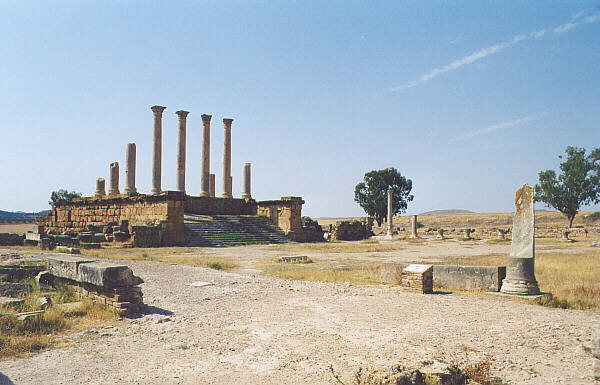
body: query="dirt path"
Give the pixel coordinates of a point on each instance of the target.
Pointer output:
(258, 330)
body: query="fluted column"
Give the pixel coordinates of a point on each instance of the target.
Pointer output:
(390, 214)
(205, 177)
(157, 149)
(182, 115)
(211, 187)
(100, 187)
(246, 194)
(114, 179)
(227, 159)
(130, 170)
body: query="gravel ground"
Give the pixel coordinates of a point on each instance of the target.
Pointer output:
(258, 330)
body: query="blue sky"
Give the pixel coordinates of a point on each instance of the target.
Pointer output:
(470, 100)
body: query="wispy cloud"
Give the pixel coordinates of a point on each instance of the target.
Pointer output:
(498, 126)
(485, 52)
(454, 41)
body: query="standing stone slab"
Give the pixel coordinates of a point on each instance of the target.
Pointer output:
(520, 277)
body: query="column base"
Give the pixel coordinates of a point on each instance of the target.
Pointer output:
(226, 195)
(519, 287)
(155, 191)
(246, 196)
(130, 191)
(114, 192)
(204, 194)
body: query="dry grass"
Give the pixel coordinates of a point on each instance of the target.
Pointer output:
(572, 278)
(338, 247)
(22, 337)
(325, 271)
(16, 228)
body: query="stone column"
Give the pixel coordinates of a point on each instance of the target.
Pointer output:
(246, 183)
(114, 179)
(182, 115)
(130, 170)
(227, 159)
(390, 214)
(211, 187)
(205, 176)
(520, 277)
(100, 187)
(413, 227)
(157, 149)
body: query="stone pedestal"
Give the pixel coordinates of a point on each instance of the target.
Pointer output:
(520, 277)
(413, 227)
(205, 176)
(100, 187)
(130, 170)
(211, 187)
(418, 279)
(246, 194)
(390, 214)
(227, 159)
(157, 149)
(181, 115)
(114, 179)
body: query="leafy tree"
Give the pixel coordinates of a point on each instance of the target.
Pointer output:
(371, 194)
(578, 184)
(62, 196)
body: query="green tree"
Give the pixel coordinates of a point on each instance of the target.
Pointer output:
(371, 194)
(577, 185)
(62, 196)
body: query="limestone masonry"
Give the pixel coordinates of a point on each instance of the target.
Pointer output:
(157, 219)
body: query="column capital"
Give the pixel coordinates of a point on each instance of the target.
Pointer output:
(205, 118)
(227, 122)
(157, 110)
(182, 114)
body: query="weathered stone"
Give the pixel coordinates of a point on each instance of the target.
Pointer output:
(34, 237)
(211, 187)
(414, 227)
(418, 278)
(100, 187)
(520, 277)
(297, 258)
(14, 289)
(9, 239)
(114, 179)
(65, 249)
(487, 278)
(44, 280)
(64, 266)
(390, 213)
(85, 237)
(106, 274)
(181, 115)
(120, 236)
(12, 302)
(130, 169)
(157, 149)
(227, 159)
(205, 176)
(99, 237)
(246, 194)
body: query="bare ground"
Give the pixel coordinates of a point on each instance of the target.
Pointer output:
(257, 330)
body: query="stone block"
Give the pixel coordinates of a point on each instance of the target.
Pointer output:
(35, 237)
(487, 278)
(120, 236)
(99, 237)
(106, 274)
(298, 258)
(14, 290)
(86, 237)
(64, 266)
(69, 250)
(418, 278)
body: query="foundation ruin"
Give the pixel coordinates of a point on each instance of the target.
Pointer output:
(159, 218)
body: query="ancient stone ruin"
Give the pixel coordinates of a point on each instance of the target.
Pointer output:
(520, 277)
(159, 218)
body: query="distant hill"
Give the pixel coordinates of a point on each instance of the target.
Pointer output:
(20, 215)
(450, 211)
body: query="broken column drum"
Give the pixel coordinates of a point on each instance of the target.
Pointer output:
(114, 179)
(227, 159)
(157, 149)
(205, 176)
(130, 170)
(100, 187)
(182, 115)
(390, 213)
(246, 194)
(520, 277)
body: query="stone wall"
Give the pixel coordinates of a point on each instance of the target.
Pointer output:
(487, 278)
(219, 206)
(351, 231)
(8, 239)
(166, 208)
(285, 213)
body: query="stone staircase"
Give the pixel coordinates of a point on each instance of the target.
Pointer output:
(231, 230)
